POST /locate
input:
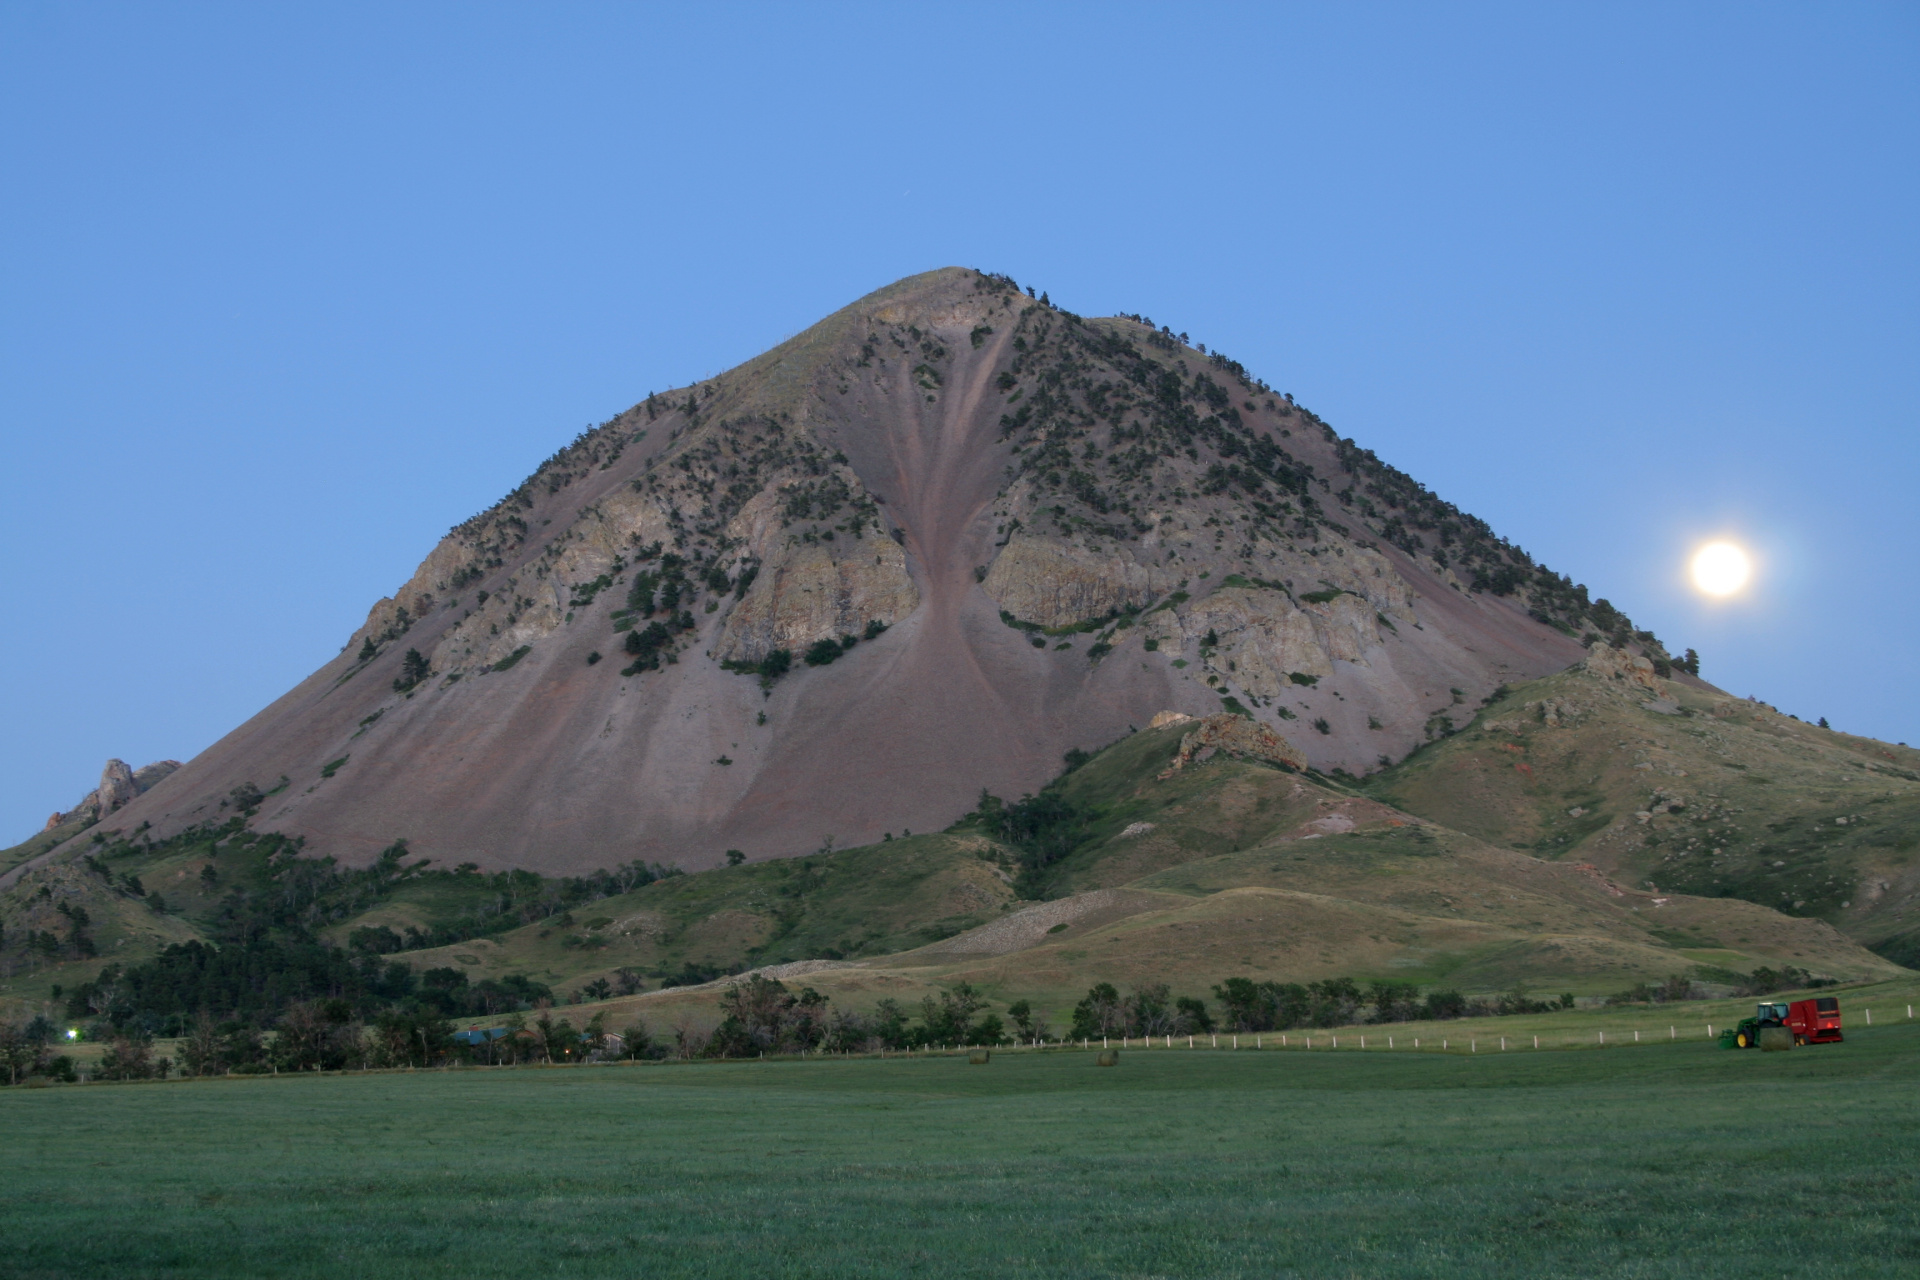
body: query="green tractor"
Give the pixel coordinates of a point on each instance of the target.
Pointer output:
(1746, 1034)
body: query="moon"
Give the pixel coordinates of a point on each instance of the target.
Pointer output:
(1721, 568)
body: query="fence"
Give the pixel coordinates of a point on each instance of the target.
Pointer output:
(1330, 1040)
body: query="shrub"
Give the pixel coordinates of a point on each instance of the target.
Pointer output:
(367, 651)
(1301, 677)
(735, 857)
(822, 652)
(130, 1057)
(636, 1040)
(1322, 726)
(508, 662)
(873, 629)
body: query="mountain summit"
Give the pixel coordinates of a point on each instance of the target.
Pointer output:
(930, 545)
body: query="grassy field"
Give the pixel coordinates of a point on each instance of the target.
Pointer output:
(1660, 1160)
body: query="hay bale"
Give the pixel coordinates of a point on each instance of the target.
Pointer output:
(979, 1057)
(1775, 1039)
(1108, 1058)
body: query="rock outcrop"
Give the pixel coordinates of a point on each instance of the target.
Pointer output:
(1609, 663)
(1236, 735)
(119, 786)
(1058, 584)
(819, 593)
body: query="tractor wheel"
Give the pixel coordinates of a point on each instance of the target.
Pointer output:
(1800, 1041)
(1741, 1040)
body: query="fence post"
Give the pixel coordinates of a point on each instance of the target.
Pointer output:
(1603, 1037)
(1536, 1042)
(1869, 1017)
(1672, 1033)
(1389, 1042)
(1503, 1044)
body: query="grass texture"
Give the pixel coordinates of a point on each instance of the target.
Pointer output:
(1658, 1160)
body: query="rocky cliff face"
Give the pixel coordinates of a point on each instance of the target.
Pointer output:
(119, 786)
(927, 546)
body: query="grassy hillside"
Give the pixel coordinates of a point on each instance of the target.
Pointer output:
(868, 901)
(1126, 870)
(39, 844)
(1039, 1164)
(1686, 790)
(1226, 868)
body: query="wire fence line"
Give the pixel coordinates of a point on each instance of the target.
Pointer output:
(1357, 1041)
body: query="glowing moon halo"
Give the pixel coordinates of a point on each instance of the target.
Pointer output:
(1720, 568)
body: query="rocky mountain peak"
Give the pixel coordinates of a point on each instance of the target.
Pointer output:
(924, 547)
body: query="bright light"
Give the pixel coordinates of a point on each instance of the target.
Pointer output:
(73, 1035)
(1720, 568)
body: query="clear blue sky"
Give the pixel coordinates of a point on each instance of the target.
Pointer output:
(289, 290)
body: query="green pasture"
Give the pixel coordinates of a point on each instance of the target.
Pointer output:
(1673, 1159)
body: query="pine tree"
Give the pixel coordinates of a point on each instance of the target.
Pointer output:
(413, 669)
(367, 650)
